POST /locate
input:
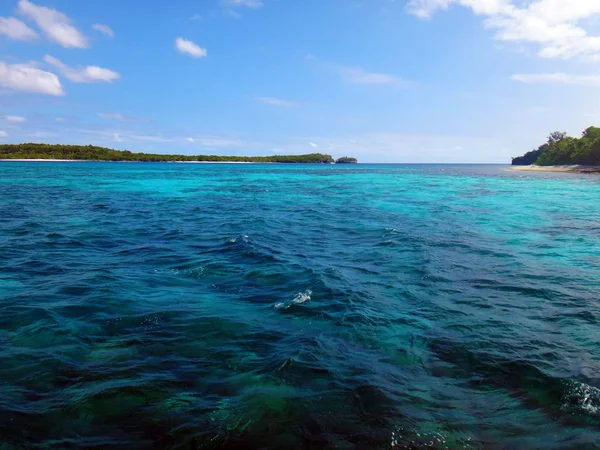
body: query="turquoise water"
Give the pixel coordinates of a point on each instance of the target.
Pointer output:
(311, 306)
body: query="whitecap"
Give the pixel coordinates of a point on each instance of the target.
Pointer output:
(402, 438)
(299, 298)
(302, 297)
(234, 239)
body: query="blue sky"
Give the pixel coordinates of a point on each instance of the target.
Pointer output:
(382, 80)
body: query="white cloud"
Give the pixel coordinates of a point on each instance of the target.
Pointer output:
(15, 119)
(189, 47)
(579, 80)
(88, 74)
(139, 137)
(356, 75)
(229, 6)
(275, 101)
(15, 29)
(313, 145)
(196, 17)
(43, 134)
(208, 141)
(104, 29)
(113, 116)
(253, 4)
(555, 25)
(217, 142)
(3, 134)
(426, 8)
(55, 25)
(23, 77)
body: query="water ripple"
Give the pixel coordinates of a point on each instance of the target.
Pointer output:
(273, 306)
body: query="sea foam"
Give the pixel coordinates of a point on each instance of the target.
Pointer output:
(299, 298)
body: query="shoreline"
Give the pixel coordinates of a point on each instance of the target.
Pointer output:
(165, 162)
(574, 168)
(219, 162)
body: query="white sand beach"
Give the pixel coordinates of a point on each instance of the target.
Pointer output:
(562, 168)
(217, 162)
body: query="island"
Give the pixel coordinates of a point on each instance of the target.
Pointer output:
(346, 160)
(562, 153)
(31, 152)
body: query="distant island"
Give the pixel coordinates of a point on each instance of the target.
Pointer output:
(346, 160)
(93, 153)
(560, 149)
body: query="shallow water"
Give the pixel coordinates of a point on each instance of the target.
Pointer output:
(310, 306)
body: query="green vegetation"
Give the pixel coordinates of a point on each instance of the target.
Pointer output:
(92, 153)
(562, 149)
(346, 160)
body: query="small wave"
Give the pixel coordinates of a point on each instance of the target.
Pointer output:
(387, 243)
(299, 298)
(233, 240)
(167, 271)
(302, 297)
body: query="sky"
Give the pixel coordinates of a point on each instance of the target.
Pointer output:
(407, 81)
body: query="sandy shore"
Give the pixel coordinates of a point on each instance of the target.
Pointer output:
(566, 169)
(216, 162)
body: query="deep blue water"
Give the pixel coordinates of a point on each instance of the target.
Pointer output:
(310, 306)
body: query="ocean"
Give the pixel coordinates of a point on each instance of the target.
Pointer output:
(154, 305)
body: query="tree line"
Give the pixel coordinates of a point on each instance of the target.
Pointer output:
(94, 153)
(562, 149)
(346, 160)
